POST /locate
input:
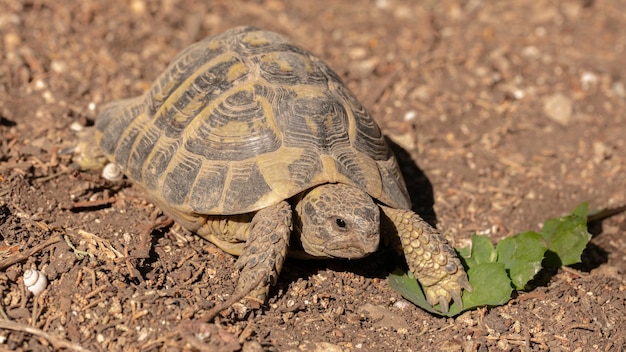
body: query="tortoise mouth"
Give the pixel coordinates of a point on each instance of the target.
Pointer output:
(340, 249)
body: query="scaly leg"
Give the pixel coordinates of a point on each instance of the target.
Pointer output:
(265, 250)
(429, 256)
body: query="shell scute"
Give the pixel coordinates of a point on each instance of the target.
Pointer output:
(143, 147)
(179, 181)
(157, 162)
(209, 187)
(236, 129)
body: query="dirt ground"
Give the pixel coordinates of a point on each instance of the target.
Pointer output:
(505, 113)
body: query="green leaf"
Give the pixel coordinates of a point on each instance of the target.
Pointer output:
(492, 286)
(481, 254)
(494, 272)
(481, 251)
(582, 210)
(406, 284)
(464, 252)
(522, 255)
(567, 236)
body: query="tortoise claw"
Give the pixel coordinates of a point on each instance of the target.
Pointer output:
(448, 289)
(465, 284)
(443, 304)
(456, 298)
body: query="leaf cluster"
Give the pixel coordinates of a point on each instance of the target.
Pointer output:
(496, 271)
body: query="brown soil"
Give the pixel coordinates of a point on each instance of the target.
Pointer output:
(514, 112)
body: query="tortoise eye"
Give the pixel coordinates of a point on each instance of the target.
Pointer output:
(340, 223)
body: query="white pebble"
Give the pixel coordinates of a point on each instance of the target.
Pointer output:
(410, 115)
(35, 281)
(48, 97)
(76, 126)
(112, 172)
(58, 66)
(588, 80)
(40, 84)
(485, 232)
(402, 304)
(518, 94)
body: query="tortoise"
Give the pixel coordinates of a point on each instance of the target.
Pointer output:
(256, 145)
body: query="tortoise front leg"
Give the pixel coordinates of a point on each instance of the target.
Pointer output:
(430, 257)
(265, 250)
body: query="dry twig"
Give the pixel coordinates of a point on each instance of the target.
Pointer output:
(25, 255)
(94, 203)
(55, 341)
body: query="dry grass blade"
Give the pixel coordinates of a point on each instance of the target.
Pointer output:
(100, 247)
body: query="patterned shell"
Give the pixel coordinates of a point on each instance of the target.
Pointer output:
(243, 120)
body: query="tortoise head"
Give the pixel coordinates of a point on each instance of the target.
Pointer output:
(338, 221)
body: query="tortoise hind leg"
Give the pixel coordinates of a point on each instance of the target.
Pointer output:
(265, 250)
(429, 256)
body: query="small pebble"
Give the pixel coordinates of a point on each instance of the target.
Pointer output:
(58, 66)
(382, 4)
(531, 52)
(558, 108)
(618, 89)
(40, 84)
(518, 94)
(402, 304)
(11, 41)
(410, 115)
(76, 126)
(138, 7)
(588, 80)
(252, 346)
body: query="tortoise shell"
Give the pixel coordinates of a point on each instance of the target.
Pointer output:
(243, 120)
